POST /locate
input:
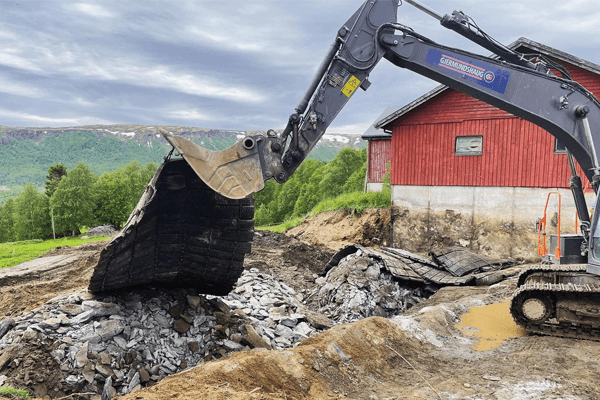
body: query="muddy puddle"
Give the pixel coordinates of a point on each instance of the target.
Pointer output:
(491, 324)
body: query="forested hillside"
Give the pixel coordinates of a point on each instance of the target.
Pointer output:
(27, 153)
(77, 198)
(25, 161)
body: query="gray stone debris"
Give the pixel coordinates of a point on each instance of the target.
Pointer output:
(104, 345)
(5, 325)
(103, 230)
(272, 309)
(113, 345)
(117, 344)
(361, 286)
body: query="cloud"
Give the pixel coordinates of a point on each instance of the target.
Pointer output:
(70, 62)
(93, 10)
(348, 128)
(34, 120)
(19, 89)
(164, 77)
(192, 115)
(232, 64)
(15, 61)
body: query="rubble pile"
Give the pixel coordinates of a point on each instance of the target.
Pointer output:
(361, 286)
(111, 345)
(274, 309)
(114, 345)
(102, 230)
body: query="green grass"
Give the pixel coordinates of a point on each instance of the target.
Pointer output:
(289, 224)
(15, 253)
(356, 202)
(12, 393)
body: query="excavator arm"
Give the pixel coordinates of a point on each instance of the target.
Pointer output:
(194, 223)
(508, 81)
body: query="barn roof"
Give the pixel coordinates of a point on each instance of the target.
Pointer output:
(374, 133)
(522, 45)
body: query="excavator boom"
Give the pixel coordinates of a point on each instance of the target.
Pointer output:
(194, 222)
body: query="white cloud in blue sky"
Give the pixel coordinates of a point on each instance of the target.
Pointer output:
(229, 64)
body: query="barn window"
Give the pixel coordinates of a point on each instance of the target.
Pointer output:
(559, 148)
(468, 146)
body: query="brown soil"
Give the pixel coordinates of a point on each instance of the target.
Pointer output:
(26, 292)
(422, 355)
(379, 359)
(336, 229)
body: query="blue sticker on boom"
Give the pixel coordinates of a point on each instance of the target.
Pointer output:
(484, 74)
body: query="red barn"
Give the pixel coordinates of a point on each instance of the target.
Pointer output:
(379, 153)
(466, 173)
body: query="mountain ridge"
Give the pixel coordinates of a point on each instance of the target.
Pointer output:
(26, 153)
(139, 132)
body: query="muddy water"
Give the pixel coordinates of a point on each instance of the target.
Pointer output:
(492, 324)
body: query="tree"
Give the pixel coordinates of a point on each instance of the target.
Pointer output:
(55, 174)
(286, 201)
(292, 189)
(118, 192)
(73, 201)
(266, 203)
(267, 195)
(31, 215)
(311, 194)
(356, 181)
(264, 215)
(339, 169)
(7, 221)
(112, 199)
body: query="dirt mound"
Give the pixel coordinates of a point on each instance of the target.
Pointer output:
(339, 363)
(30, 289)
(336, 229)
(422, 355)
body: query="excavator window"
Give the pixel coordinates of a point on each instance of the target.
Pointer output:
(595, 247)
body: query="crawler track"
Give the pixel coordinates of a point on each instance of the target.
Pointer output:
(551, 294)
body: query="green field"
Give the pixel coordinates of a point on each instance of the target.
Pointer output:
(15, 253)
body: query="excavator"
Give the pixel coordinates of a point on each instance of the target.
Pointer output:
(194, 223)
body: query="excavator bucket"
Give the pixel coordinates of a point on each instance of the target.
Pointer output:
(192, 226)
(234, 172)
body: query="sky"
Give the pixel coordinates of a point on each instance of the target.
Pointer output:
(229, 64)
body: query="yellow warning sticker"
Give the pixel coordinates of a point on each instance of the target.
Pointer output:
(351, 85)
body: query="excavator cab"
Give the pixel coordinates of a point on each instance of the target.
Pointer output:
(594, 246)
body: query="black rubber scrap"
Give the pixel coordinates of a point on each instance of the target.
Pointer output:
(461, 262)
(181, 234)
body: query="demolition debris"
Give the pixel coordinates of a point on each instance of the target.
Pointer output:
(117, 344)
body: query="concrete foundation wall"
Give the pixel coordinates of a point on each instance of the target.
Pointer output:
(494, 221)
(374, 187)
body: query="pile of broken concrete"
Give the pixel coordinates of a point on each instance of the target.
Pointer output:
(118, 344)
(363, 282)
(113, 345)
